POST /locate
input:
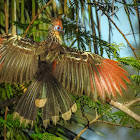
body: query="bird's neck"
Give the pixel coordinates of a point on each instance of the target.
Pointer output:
(53, 37)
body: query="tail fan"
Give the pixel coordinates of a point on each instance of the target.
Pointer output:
(46, 93)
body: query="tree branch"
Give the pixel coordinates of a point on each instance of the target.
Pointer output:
(132, 48)
(125, 109)
(127, 104)
(115, 104)
(36, 17)
(94, 120)
(99, 121)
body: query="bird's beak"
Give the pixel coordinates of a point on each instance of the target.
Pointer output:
(61, 31)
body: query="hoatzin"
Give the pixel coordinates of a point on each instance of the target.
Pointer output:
(55, 72)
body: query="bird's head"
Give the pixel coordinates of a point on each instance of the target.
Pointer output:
(57, 26)
(56, 31)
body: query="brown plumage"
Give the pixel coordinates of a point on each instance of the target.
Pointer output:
(56, 71)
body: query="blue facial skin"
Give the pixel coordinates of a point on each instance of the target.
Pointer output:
(59, 29)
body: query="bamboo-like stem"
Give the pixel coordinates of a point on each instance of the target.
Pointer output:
(89, 17)
(36, 17)
(129, 19)
(93, 32)
(98, 23)
(22, 12)
(132, 48)
(40, 33)
(6, 110)
(33, 9)
(13, 16)
(65, 7)
(138, 16)
(6, 15)
(112, 9)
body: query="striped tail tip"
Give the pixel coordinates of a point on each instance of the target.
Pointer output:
(48, 94)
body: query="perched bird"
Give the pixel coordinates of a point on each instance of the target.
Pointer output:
(55, 72)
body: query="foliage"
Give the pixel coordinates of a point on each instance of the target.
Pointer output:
(115, 117)
(46, 136)
(16, 131)
(8, 91)
(136, 78)
(131, 62)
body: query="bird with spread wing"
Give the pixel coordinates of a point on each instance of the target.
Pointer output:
(55, 72)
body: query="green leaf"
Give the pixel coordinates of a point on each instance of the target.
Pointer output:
(130, 61)
(136, 78)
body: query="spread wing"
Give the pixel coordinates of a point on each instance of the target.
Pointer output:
(83, 72)
(18, 59)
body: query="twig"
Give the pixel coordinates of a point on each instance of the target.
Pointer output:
(94, 120)
(111, 102)
(132, 48)
(83, 114)
(36, 17)
(6, 110)
(99, 121)
(131, 33)
(132, 102)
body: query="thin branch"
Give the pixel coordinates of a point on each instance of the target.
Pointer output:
(132, 48)
(131, 33)
(125, 109)
(83, 114)
(99, 121)
(94, 120)
(132, 102)
(138, 16)
(36, 17)
(6, 110)
(111, 102)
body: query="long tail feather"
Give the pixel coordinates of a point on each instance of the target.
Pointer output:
(47, 93)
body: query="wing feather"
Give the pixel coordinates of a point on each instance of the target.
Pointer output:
(72, 75)
(18, 60)
(81, 80)
(84, 72)
(68, 81)
(93, 93)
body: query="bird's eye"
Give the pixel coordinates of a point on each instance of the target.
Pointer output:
(58, 28)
